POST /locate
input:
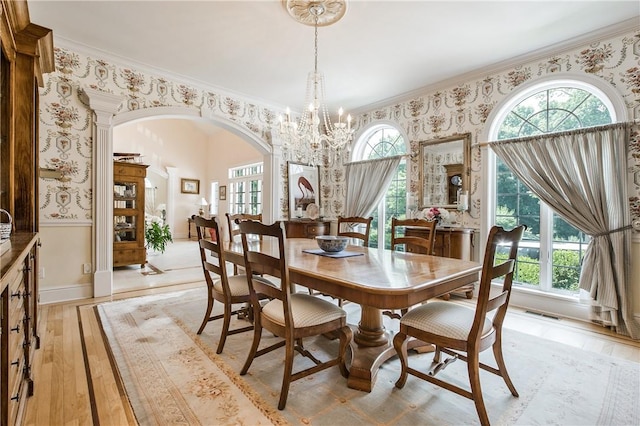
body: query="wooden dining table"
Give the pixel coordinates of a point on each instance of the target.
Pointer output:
(376, 279)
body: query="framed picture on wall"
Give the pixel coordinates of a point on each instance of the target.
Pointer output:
(304, 188)
(223, 192)
(189, 186)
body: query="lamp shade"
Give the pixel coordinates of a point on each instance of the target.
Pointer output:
(203, 202)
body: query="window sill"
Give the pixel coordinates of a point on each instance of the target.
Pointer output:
(550, 304)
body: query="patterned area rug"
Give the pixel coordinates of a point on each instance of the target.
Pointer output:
(173, 376)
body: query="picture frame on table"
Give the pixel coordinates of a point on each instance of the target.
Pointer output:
(304, 189)
(189, 186)
(222, 192)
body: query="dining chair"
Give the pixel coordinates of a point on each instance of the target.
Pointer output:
(399, 240)
(234, 230)
(232, 219)
(290, 316)
(228, 290)
(349, 227)
(462, 332)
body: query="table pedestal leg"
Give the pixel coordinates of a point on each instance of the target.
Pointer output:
(372, 346)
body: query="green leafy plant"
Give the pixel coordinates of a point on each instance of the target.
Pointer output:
(157, 236)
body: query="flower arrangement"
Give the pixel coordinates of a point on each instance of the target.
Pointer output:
(436, 213)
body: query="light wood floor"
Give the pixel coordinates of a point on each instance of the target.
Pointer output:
(75, 383)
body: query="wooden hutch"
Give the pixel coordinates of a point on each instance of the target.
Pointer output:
(128, 213)
(27, 53)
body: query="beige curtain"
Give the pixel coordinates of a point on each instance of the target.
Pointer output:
(582, 175)
(367, 183)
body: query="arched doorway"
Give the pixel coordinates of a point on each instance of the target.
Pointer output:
(105, 107)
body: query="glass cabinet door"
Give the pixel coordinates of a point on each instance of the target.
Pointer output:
(125, 211)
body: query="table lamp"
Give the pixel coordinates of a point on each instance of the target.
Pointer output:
(162, 208)
(203, 204)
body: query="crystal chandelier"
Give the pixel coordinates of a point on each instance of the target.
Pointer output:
(314, 136)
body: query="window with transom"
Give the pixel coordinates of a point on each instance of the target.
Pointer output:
(551, 251)
(378, 142)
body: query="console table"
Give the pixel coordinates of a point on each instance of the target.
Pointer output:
(190, 221)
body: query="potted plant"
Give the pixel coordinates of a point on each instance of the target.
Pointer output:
(157, 236)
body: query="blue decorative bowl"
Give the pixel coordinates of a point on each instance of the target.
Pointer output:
(331, 243)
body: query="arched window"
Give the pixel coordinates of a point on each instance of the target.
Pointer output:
(552, 250)
(381, 141)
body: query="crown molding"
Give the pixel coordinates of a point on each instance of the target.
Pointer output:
(559, 48)
(160, 72)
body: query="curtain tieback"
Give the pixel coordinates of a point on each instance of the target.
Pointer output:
(602, 234)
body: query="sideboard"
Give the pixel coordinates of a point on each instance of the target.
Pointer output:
(18, 327)
(306, 228)
(451, 242)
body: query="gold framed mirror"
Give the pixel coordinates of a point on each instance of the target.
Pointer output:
(444, 171)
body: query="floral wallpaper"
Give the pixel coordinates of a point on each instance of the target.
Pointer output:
(65, 123)
(65, 120)
(465, 107)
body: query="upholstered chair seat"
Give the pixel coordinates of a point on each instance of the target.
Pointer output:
(237, 285)
(306, 310)
(444, 319)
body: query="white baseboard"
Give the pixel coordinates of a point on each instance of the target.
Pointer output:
(65, 294)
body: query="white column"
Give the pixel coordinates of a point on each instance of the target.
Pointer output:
(104, 106)
(272, 181)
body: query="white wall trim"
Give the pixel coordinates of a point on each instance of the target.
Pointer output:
(78, 224)
(103, 107)
(65, 293)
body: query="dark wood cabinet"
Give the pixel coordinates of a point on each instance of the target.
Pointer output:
(18, 304)
(306, 228)
(457, 243)
(26, 54)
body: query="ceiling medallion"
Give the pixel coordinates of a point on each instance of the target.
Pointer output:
(305, 11)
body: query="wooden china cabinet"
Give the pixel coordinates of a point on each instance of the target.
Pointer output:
(26, 54)
(128, 213)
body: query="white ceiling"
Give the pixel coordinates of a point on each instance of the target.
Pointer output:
(380, 50)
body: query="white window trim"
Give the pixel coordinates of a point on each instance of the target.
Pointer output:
(248, 178)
